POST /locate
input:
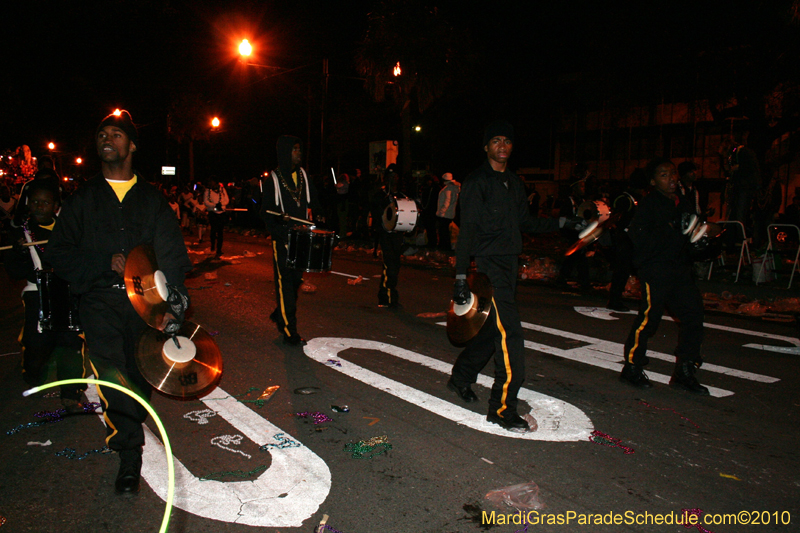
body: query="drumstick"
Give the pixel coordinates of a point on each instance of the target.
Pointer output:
(334, 176)
(237, 209)
(304, 221)
(34, 243)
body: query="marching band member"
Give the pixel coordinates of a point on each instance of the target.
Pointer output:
(40, 344)
(494, 213)
(391, 242)
(662, 260)
(290, 192)
(110, 215)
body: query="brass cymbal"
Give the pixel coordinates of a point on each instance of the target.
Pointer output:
(191, 370)
(464, 322)
(146, 285)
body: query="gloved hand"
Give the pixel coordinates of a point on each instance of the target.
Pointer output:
(18, 247)
(178, 304)
(573, 223)
(284, 218)
(461, 292)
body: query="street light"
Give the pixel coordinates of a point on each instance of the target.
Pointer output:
(78, 160)
(417, 128)
(51, 146)
(245, 48)
(215, 121)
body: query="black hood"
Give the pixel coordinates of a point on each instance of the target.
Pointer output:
(285, 146)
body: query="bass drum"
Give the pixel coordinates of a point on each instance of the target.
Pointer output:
(401, 215)
(594, 210)
(310, 249)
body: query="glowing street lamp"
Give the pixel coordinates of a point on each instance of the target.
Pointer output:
(417, 128)
(78, 160)
(245, 48)
(397, 70)
(51, 146)
(215, 122)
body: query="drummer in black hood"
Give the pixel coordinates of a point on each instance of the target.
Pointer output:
(288, 191)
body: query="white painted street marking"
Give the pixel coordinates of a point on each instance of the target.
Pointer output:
(605, 314)
(616, 351)
(348, 275)
(557, 419)
(290, 491)
(608, 355)
(793, 350)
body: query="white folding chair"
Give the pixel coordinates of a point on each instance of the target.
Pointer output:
(780, 232)
(743, 245)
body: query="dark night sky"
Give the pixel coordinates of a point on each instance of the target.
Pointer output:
(67, 64)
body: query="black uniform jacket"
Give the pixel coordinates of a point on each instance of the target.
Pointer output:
(660, 248)
(277, 228)
(494, 216)
(94, 225)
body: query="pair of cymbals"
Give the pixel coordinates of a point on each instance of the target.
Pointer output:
(464, 321)
(186, 364)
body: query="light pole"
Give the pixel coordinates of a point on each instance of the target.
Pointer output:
(246, 50)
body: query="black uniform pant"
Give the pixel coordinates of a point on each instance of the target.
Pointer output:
(287, 284)
(443, 227)
(621, 265)
(64, 346)
(677, 292)
(217, 223)
(576, 261)
(500, 338)
(391, 248)
(112, 329)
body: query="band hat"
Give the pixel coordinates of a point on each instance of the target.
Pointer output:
(447, 176)
(498, 128)
(122, 121)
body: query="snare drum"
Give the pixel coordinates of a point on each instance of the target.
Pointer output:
(310, 249)
(58, 309)
(401, 215)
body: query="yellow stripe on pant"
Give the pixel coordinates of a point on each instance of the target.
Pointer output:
(629, 355)
(506, 360)
(105, 407)
(280, 290)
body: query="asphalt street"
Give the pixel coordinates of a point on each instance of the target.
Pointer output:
(602, 449)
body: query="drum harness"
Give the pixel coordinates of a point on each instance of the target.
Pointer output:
(37, 262)
(293, 192)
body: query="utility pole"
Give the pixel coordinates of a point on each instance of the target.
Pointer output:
(322, 115)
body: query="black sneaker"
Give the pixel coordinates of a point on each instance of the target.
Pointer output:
(294, 340)
(510, 421)
(634, 375)
(73, 407)
(130, 468)
(465, 393)
(683, 378)
(618, 306)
